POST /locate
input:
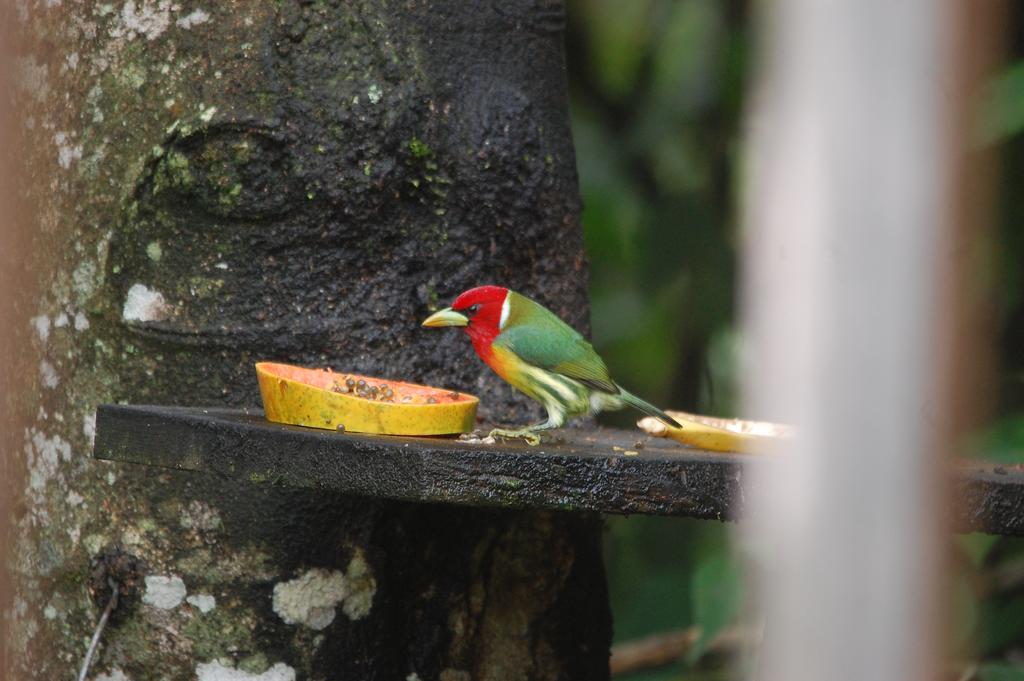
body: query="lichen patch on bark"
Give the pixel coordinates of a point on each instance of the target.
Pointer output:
(215, 671)
(311, 599)
(164, 592)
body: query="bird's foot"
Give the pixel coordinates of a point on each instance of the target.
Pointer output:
(532, 438)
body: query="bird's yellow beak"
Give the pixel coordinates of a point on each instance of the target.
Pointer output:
(446, 317)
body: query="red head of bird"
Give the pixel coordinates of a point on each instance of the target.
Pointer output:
(481, 310)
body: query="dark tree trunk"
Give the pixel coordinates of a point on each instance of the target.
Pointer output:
(219, 183)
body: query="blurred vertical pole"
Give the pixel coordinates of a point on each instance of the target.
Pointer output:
(853, 273)
(11, 249)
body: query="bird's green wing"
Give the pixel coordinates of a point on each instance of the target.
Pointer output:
(588, 369)
(549, 343)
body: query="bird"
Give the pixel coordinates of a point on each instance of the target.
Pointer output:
(539, 355)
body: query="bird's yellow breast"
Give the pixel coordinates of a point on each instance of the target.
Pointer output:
(557, 393)
(514, 370)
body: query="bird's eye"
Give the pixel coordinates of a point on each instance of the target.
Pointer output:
(473, 309)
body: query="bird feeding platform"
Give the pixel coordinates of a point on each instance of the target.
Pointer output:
(577, 470)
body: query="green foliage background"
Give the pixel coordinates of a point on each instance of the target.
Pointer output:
(657, 96)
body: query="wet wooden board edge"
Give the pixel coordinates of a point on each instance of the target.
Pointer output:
(582, 470)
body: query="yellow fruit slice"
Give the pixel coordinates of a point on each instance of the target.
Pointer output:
(716, 434)
(320, 398)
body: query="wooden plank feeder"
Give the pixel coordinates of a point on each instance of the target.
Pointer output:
(579, 470)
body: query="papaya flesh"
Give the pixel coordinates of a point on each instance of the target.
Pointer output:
(716, 434)
(321, 398)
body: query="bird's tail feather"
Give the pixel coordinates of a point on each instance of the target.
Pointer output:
(647, 408)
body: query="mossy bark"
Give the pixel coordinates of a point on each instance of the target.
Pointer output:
(218, 183)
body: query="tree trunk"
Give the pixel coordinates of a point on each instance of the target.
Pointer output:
(214, 184)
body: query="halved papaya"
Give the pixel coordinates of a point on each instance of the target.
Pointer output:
(321, 398)
(716, 434)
